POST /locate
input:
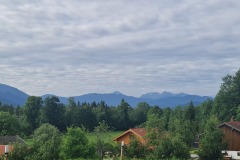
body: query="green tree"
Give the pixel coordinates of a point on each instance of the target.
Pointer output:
(72, 112)
(203, 113)
(18, 111)
(155, 110)
(121, 116)
(227, 99)
(31, 110)
(53, 112)
(182, 127)
(86, 117)
(166, 117)
(186, 131)
(176, 119)
(154, 127)
(9, 124)
(75, 145)
(171, 147)
(20, 152)
(190, 113)
(212, 141)
(101, 143)
(102, 112)
(135, 149)
(46, 143)
(7, 108)
(139, 114)
(238, 113)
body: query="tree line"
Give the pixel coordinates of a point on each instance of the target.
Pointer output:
(37, 111)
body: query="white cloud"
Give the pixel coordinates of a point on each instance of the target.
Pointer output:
(75, 47)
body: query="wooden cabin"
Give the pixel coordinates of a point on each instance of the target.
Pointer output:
(126, 137)
(231, 131)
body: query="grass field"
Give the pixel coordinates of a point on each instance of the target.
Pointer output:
(107, 136)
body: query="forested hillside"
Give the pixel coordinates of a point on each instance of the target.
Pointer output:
(181, 125)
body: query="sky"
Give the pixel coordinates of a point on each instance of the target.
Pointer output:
(74, 47)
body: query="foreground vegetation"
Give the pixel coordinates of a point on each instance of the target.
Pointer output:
(170, 132)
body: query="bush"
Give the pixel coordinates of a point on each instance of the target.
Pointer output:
(169, 147)
(135, 149)
(20, 152)
(75, 145)
(46, 143)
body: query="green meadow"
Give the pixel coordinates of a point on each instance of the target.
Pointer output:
(108, 137)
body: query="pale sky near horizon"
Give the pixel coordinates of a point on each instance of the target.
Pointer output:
(74, 47)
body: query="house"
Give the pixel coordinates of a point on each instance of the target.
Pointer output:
(231, 131)
(9, 141)
(126, 137)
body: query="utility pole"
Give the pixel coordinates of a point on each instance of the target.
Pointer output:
(6, 152)
(122, 145)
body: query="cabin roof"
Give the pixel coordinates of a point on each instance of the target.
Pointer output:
(233, 124)
(5, 140)
(140, 132)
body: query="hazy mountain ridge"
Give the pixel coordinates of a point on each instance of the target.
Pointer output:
(10, 95)
(165, 94)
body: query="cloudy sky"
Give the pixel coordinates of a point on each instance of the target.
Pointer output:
(74, 47)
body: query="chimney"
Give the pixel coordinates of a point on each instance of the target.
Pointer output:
(232, 120)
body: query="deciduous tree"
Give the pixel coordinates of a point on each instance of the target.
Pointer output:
(53, 112)
(101, 143)
(75, 145)
(31, 111)
(227, 99)
(212, 140)
(9, 124)
(46, 143)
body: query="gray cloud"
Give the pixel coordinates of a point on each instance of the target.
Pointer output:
(75, 47)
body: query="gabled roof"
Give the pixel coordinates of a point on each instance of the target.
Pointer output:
(233, 124)
(140, 132)
(5, 140)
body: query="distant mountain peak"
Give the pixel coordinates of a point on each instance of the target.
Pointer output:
(164, 94)
(117, 92)
(157, 95)
(182, 94)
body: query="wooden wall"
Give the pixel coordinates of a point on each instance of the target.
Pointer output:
(232, 137)
(127, 138)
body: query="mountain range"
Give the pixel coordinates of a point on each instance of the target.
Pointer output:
(13, 96)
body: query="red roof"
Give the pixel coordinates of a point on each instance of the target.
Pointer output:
(141, 132)
(233, 124)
